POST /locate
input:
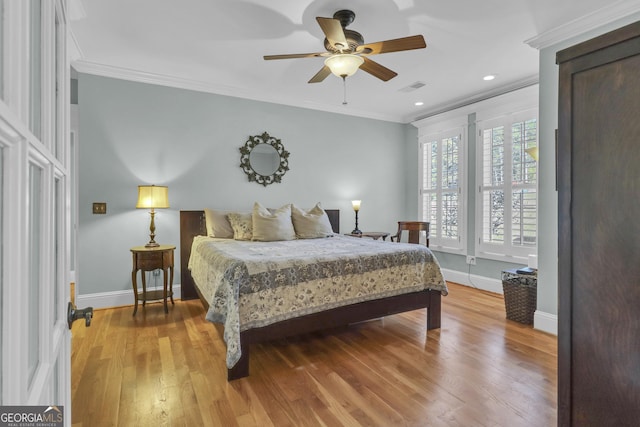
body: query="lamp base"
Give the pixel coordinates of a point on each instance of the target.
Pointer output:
(152, 232)
(356, 230)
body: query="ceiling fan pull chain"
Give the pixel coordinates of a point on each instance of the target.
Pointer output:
(344, 84)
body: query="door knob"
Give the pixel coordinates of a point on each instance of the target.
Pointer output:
(74, 314)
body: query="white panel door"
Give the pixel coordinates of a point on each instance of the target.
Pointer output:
(34, 205)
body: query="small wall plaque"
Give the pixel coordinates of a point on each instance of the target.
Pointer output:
(100, 208)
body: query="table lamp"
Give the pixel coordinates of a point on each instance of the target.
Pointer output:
(152, 197)
(356, 208)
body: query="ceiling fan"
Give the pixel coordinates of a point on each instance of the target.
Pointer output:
(346, 51)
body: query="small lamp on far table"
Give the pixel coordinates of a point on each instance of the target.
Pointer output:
(356, 208)
(533, 152)
(152, 197)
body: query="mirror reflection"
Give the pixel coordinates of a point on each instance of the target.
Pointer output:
(264, 159)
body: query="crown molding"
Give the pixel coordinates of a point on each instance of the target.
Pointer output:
(76, 10)
(73, 48)
(122, 73)
(88, 67)
(475, 98)
(588, 22)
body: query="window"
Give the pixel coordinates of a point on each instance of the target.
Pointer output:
(36, 177)
(1, 49)
(508, 174)
(442, 199)
(34, 183)
(35, 83)
(2, 196)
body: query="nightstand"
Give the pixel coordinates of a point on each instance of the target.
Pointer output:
(149, 259)
(375, 235)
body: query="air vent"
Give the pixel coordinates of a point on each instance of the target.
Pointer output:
(412, 87)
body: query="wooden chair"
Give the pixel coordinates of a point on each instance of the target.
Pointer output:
(414, 228)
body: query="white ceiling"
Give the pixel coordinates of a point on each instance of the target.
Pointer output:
(217, 46)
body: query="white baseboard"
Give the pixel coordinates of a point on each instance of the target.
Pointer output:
(545, 322)
(542, 321)
(116, 298)
(475, 281)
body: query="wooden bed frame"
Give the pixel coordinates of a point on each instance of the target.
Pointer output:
(192, 223)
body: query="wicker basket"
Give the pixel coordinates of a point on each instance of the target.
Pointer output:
(520, 300)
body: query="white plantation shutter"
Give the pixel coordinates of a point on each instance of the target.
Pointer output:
(441, 193)
(508, 186)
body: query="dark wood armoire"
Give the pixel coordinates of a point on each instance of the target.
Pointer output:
(598, 173)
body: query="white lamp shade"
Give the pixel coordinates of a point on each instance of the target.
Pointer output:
(343, 64)
(153, 197)
(356, 205)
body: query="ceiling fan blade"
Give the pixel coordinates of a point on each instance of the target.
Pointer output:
(320, 75)
(395, 45)
(333, 31)
(296, 55)
(377, 70)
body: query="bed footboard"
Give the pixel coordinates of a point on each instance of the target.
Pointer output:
(434, 310)
(340, 316)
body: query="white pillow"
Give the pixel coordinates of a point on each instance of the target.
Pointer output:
(312, 223)
(272, 226)
(241, 224)
(217, 223)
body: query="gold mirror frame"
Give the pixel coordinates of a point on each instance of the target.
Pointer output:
(245, 163)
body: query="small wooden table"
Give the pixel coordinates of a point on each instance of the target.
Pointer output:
(375, 235)
(148, 259)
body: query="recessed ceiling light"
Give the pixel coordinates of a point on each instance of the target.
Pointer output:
(419, 103)
(489, 77)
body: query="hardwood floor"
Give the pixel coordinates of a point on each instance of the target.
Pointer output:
(478, 370)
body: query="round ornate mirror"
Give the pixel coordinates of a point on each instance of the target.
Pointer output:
(264, 159)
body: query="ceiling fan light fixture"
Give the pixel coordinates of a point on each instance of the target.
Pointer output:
(344, 64)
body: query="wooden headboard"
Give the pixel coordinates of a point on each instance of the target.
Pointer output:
(192, 223)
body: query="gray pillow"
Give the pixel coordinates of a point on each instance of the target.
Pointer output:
(272, 226)
(217, 223)
(311, 223)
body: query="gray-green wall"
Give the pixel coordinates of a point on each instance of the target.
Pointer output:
(548, 197)
(135, 133)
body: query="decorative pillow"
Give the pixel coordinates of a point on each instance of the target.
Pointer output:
(312, 223)
(217, 223)
(269, 227)
(241, 224)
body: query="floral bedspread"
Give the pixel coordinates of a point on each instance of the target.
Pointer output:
(253, 284)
